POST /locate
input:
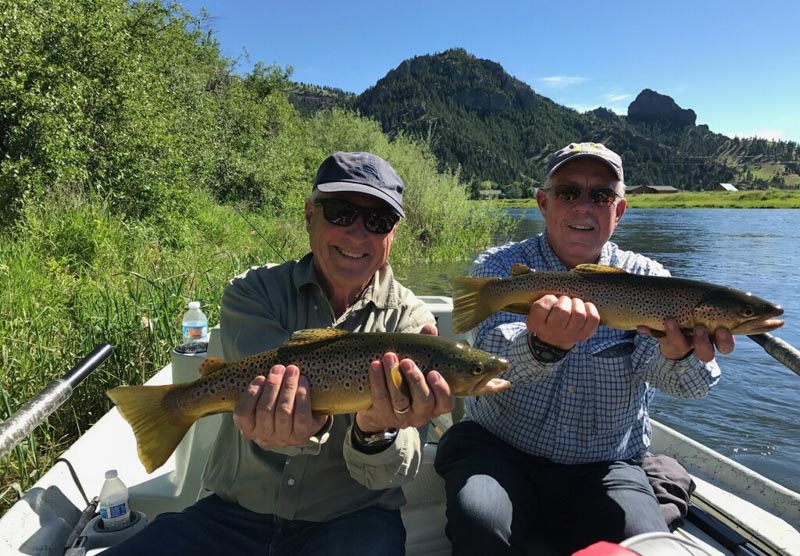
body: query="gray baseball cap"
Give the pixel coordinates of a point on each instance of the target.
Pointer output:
(593, 150)
(361, 173)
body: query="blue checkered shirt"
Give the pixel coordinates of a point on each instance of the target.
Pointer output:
(590, 406)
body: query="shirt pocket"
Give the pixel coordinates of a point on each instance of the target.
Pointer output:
(615, 385)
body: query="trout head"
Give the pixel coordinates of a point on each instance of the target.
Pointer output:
(738, 311)
(470, 371)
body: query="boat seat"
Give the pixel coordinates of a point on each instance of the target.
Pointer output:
(424, 513)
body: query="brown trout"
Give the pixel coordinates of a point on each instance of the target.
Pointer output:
(335, 362)
(623, 300)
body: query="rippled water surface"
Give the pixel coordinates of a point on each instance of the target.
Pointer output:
(753, 415)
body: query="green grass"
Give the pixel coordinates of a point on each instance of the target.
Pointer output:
(769, 198)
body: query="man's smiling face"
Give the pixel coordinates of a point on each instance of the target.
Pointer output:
(577, 230)
(346, 257)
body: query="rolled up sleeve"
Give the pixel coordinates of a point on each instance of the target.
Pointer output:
(391, 468)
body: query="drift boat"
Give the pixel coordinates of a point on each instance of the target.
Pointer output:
(734, 510)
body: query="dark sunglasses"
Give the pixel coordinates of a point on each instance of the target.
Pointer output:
(571, 193)
(342, 213)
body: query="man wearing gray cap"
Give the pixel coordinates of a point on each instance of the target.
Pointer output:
(280, 479)
(554, 464)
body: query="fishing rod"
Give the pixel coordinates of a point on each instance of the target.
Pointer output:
(257, 231)
(782, 351)
(31, 414)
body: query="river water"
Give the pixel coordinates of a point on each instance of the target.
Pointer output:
(753, 414)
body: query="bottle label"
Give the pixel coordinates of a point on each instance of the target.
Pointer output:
(194, 332)
(117, 510)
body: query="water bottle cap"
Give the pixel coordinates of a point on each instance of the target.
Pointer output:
(194, 305)
(111, 474)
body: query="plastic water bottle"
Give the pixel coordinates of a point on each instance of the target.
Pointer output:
(113, 503)
(195, 324)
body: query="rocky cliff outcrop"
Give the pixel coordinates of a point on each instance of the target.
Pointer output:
(650, 106)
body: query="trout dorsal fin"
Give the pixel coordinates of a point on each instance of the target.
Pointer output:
(519, 269)
(211, 364)
(313, 335)
(597, 269)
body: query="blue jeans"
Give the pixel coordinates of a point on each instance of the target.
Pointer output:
(503, 501)
(212, 526)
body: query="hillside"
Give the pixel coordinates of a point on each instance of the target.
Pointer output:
(498, 129)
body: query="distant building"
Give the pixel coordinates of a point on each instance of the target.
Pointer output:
(725, 187)
(640, 189)
(490, 193)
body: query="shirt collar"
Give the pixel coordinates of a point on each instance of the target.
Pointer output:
(379, 291)
(555, 263)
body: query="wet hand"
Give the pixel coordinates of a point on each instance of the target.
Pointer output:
(428, 396)
(275, 410)
(677, 345)
(562, 321)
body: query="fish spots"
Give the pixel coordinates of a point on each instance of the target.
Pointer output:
(337, 369)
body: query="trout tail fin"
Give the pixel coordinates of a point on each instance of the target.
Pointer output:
(157, 432)
(469, 306)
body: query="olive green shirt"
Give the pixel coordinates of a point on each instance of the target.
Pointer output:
(326, 477)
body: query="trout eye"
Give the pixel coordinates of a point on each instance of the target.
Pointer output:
(748, 311)
(477, 370)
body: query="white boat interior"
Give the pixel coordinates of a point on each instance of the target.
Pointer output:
(735, 510)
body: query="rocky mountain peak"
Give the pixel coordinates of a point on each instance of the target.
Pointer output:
(650, 106)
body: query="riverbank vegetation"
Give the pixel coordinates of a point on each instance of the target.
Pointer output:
(139, 171)
(767, 198)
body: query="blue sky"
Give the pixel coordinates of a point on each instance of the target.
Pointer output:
(736, 63)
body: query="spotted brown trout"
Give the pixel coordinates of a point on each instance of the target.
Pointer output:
(335, 362)
(623, 300)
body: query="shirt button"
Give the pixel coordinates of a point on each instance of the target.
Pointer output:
(564, 429)
(290, 482)
(571, 389)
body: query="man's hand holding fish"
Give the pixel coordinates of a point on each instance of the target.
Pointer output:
(564, 321)
(675, 344)
(275, 410)
(428, 394)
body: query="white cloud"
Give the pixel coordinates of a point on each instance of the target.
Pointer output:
(561, 81)
(617, 97)
(581, 107)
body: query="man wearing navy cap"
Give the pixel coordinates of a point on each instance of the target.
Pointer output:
(554, 463)
(282, 480)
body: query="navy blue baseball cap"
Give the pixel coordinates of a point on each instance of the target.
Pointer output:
(361, 173)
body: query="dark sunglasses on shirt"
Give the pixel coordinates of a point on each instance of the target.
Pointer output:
(570, 193)
(342, 213)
